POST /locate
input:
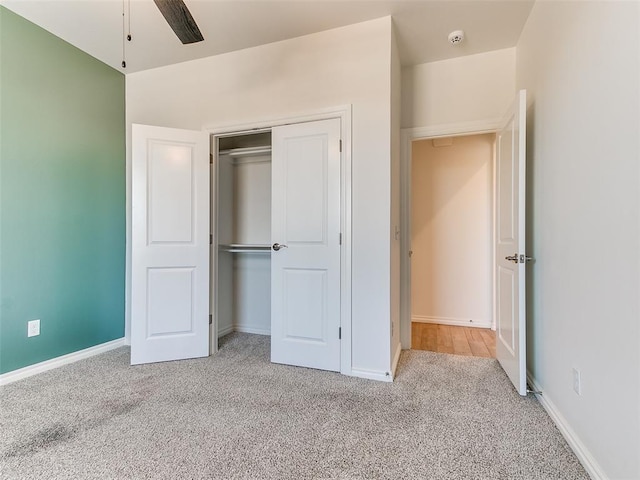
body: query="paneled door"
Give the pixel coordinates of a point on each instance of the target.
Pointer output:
(305, 256)
(510, 244)
(170, 244)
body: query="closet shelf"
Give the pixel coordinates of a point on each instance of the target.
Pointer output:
(246, 151)
(245, 248)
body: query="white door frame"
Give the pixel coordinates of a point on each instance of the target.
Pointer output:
(407, 137)
(344, 114)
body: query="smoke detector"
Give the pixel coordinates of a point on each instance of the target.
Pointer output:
(456, 37)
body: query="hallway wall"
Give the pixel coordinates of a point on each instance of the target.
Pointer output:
(451, 265)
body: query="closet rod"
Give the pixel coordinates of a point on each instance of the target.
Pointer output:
(246, 245)
(246, 151)
(245, 250)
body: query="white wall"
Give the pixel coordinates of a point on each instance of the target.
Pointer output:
(252, 201)
(252, 293)
(579, 62)
(467, 89)
(244, 217)
(349, 65)
(451, 265)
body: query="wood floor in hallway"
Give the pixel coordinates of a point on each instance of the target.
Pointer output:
(473, 342)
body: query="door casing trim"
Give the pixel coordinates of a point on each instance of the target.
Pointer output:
(407, 137)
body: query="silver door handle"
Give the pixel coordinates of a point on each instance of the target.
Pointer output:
(277, 246)
(512, 258)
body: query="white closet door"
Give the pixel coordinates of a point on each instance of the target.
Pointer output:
(305, 233)
(170, 244)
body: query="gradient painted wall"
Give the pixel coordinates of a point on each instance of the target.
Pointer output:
(62, 196)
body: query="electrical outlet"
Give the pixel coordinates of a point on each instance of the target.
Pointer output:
(33, 328)
(577, 385)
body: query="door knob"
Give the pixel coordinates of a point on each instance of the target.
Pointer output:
(277, 246)
(512, 258)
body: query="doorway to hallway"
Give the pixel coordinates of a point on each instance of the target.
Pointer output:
(452, 245)
(473, 342)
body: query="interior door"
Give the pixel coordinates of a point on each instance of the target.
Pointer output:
(510, 244)
(305, 233)
(170, 244)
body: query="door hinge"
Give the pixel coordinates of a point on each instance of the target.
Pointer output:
(340, 145)
(339, 333)
(211, 239)
(210, 319)
(211, 158)
(340, 239)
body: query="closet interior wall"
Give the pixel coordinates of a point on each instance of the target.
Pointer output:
(243, 208)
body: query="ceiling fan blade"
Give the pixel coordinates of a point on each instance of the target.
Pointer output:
(180, 20)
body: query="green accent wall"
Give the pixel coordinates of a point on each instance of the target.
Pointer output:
(62, 196)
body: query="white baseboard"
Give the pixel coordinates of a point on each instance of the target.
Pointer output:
(584, 456)
(31, 370)
(396, 359)
(372, 375)
(225, 331)
(256, 331)
(456, 322)
(237, 328)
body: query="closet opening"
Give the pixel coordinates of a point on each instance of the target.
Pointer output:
(280, 244)
(241, 234)
(452, 216)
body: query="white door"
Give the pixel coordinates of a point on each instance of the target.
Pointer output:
(170, 244)
(305, 233)
(510, 244)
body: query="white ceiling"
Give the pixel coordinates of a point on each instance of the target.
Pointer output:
(422, 26)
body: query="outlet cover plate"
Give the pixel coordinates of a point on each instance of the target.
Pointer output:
(33, 328)
(577, 381)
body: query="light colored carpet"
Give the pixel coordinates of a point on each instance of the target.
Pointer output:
(237, 416)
